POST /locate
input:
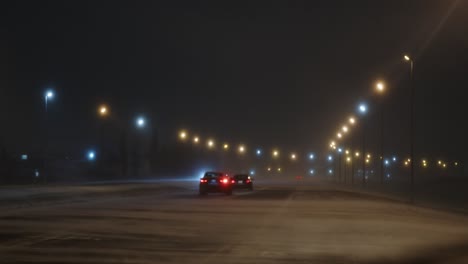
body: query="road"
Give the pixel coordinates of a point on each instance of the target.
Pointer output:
(169, 223)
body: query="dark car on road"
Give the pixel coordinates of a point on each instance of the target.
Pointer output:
(216, 182)
(243, 181)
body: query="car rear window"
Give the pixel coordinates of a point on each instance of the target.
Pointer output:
(241, 177)
(213, 175)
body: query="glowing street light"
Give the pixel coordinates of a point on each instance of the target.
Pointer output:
(183, 135)
(339, 135)
(275, 153)
(49, 95)
(91, 155)
(226, 146)
(258, 152)
(330, 158)
(269, 169)
(362, 108)
(311, 156)
(196, 140)
(293, 156)
(210, 143)
(279, 169)
(103, 110)
(345, 129)
(380, 87)
(357, 154)
(352, 121)
(140, 122)
(241, 149)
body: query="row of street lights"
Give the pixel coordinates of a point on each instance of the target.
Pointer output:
(380, 88)
(241, 148)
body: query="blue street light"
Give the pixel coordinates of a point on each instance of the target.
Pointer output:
(330, 158)
(362, 108)
(259, 152)
(394, 159)
(311, 172)
(91, 155)
(140, 122)
(252, 172)
(387, 162)
(48, 95)
(340, 150)
(311, 156)
(330, 171)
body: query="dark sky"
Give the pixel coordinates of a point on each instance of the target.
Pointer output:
(265, 73)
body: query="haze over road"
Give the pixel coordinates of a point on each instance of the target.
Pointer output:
(302, 222)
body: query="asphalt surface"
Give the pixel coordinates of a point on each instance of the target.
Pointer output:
(169, 223)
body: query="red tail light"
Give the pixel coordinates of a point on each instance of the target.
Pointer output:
(233, 181)
(225, 180)
(247, 181)
(203, 180)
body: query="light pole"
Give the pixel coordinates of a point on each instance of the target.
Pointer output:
(339, 164)
(380, 87)
(410, 60)
(363, 110)
(48, 95)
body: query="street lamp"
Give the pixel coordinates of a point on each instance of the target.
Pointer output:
(140, 122)
(293, 156)
(340, 150)
(241, 149)
(363, 110)
(380, 87)
(259, 152)
(345, 129)
(275, 153)
(91, 155)
(352, 121)
(210, 143)
(49, 95)
(226, 146)
(103, 111)
(183, 135)
(410, 60)
(196, 140)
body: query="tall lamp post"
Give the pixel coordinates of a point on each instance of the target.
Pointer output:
(363, 110)
(48, 95)
(411, 62)
(380, 87)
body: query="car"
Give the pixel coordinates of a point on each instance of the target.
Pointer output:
(243, 181)
(216, 182)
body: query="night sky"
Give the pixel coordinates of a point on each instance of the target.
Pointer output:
(273, 74)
